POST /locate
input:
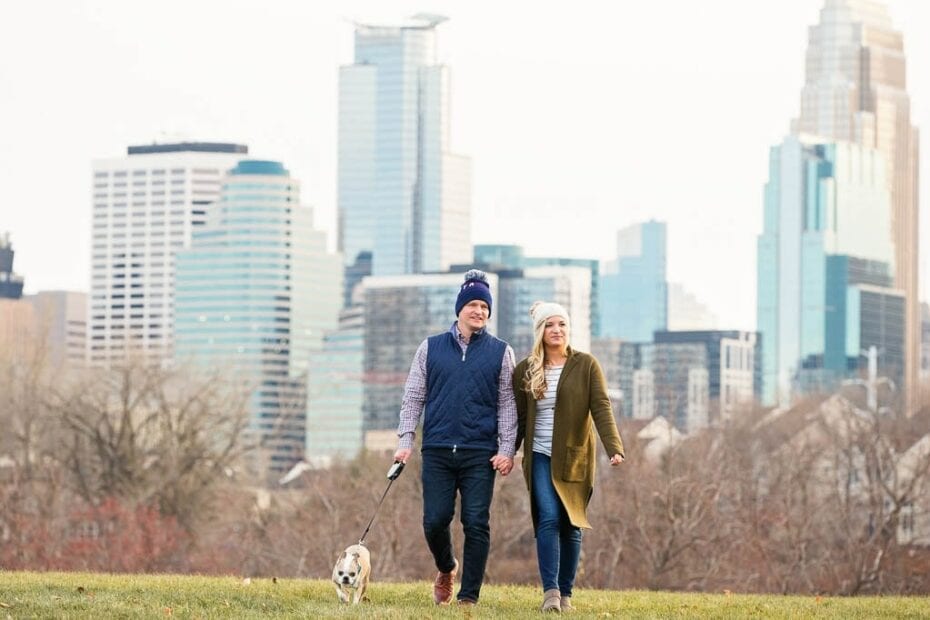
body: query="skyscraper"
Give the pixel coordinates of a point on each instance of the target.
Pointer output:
(855, 91)
(826, 239)
(146, 206)
(254, 295)
(633, 291)
(403, 195)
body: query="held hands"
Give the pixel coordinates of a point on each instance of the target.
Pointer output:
(502, 463)
(616, 460)
(402, 455)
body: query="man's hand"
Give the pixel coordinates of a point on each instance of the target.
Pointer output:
(502, 463)
(616, 459)
(402, 455)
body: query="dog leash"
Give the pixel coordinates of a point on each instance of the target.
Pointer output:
(392, 474)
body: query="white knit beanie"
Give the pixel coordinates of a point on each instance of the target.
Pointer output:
(542, 310)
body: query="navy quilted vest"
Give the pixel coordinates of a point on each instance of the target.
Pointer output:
(462, 392)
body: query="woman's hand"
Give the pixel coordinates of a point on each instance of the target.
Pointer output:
(502, 463)
(616, 460)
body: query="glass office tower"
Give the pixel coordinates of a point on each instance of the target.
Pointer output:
(403, 195)
(633, 290)
(253, 296)
(855, 90)
(822, 201)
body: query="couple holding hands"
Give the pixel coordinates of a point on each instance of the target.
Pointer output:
(478, 406)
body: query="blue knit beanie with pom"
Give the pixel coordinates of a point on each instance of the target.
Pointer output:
(476, 286)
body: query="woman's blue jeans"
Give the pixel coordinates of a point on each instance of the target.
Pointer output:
(558, 543)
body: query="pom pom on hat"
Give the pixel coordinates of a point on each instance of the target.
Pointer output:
(476, 286)
(542, 310)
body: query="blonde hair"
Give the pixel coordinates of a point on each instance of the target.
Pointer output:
(534, 381)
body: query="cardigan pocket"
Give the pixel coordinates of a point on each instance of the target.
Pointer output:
(575, 467)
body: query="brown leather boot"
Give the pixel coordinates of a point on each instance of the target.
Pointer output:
(442, 587)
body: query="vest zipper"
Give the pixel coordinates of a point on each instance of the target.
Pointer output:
(453, 448)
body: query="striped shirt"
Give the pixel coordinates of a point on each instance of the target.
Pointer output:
(545, 413)
(415, 398)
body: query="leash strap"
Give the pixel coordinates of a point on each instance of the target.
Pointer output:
(392, 475)
(361, 540)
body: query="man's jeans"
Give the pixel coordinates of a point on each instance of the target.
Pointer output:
(558, 543)
(469, 472)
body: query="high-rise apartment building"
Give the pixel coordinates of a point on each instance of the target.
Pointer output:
(403, 195)
(633, 290)
(146, 206)
(254, 295)
(855, 91)
(824, 265)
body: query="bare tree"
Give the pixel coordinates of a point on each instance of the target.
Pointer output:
(150, 435)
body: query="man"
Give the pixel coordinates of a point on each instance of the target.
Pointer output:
(461, 381)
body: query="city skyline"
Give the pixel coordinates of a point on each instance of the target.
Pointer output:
(572, 137)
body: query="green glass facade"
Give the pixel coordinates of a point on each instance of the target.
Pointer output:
(253, 295)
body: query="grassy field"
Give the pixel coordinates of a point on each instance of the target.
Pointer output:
(85, 595)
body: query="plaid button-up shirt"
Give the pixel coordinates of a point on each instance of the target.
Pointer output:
(415, 397)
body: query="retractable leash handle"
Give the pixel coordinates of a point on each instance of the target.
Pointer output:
(392, 474)
(395, 470)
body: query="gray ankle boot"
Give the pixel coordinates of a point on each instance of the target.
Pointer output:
(552, 601)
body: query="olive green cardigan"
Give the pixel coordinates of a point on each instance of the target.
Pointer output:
(581, 405)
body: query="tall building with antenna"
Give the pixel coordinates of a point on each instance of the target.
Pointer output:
(403, 195)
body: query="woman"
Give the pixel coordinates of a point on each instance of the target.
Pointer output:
(561, 397)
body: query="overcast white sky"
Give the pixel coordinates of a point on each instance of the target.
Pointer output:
(579, 121)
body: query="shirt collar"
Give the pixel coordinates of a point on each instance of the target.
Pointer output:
(458, 335)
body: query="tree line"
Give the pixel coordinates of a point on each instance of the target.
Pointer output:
(145, 469)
